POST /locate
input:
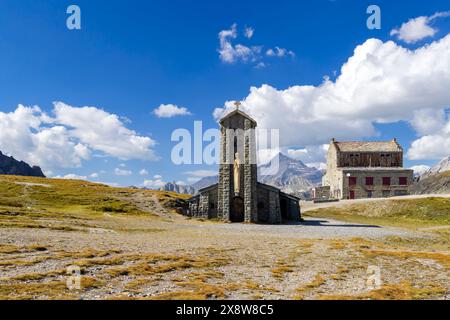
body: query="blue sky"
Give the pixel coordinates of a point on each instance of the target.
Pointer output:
(132, 56)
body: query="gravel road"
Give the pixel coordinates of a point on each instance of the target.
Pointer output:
(313, 228)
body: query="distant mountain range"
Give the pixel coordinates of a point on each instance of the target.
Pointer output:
(205, 182)
(442, 166)
(9, 165)
(435, 180)
(178, 188)
(292, 177)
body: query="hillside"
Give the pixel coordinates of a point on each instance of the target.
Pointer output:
(129, 244)
(421, 212)
(441, 167)
(32, 202)
(9, 165)
(432, 184)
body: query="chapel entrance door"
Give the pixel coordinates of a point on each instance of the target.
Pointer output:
(237, 210)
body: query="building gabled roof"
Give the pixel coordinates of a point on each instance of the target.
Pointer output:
(368, 146)
(237, 111)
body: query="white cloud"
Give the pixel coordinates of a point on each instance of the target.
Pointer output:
(201, 173)
(313, 155)
(143, 172)
(94, 175)
(420, 169)
(70, 137)
(170, 110)
(230, 53)
(71, 176)
(122, 172)
(381, 82)
(196, 175)
(154, 184)
(248, 33)
(427, 121)
(317, 165)
(432, 146)
(418, 28)
(157, 176)
(104, 132)
(30, 135)
(279, 52)
(260, 65)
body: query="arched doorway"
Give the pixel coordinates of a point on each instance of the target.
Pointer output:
(284, 209)
(237, 210)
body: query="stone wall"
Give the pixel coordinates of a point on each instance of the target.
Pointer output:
(246, 146)
(377, 190)
(250, 173)
(263, 205)
(274, 207)
(323, 192)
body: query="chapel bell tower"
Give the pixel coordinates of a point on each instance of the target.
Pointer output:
(237, 194)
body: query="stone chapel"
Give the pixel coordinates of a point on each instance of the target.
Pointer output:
(238, 196)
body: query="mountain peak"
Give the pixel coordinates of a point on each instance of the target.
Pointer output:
(284, 159)
(292, 176)
(11, 166)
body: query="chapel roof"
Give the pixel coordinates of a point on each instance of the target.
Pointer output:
(239, 112)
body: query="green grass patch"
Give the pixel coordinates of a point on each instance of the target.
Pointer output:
(31, 202)
(410, 213)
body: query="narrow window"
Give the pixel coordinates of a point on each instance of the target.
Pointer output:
(386, 181)
(369, 181)
(403, 181)
(352, 181)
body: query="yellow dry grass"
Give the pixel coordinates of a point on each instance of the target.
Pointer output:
(399, 291)
(442, 258)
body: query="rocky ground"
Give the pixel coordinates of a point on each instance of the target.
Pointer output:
(168, 256)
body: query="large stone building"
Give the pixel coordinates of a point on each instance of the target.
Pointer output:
(365, 170)
(239, 197)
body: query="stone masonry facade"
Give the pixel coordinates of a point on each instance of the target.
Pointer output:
(249, 201)
(358, 170)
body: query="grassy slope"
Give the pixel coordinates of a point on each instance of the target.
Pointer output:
(413, 213)
(439, 183)
(22, 205)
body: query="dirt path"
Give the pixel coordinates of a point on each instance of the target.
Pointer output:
(150, 203)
